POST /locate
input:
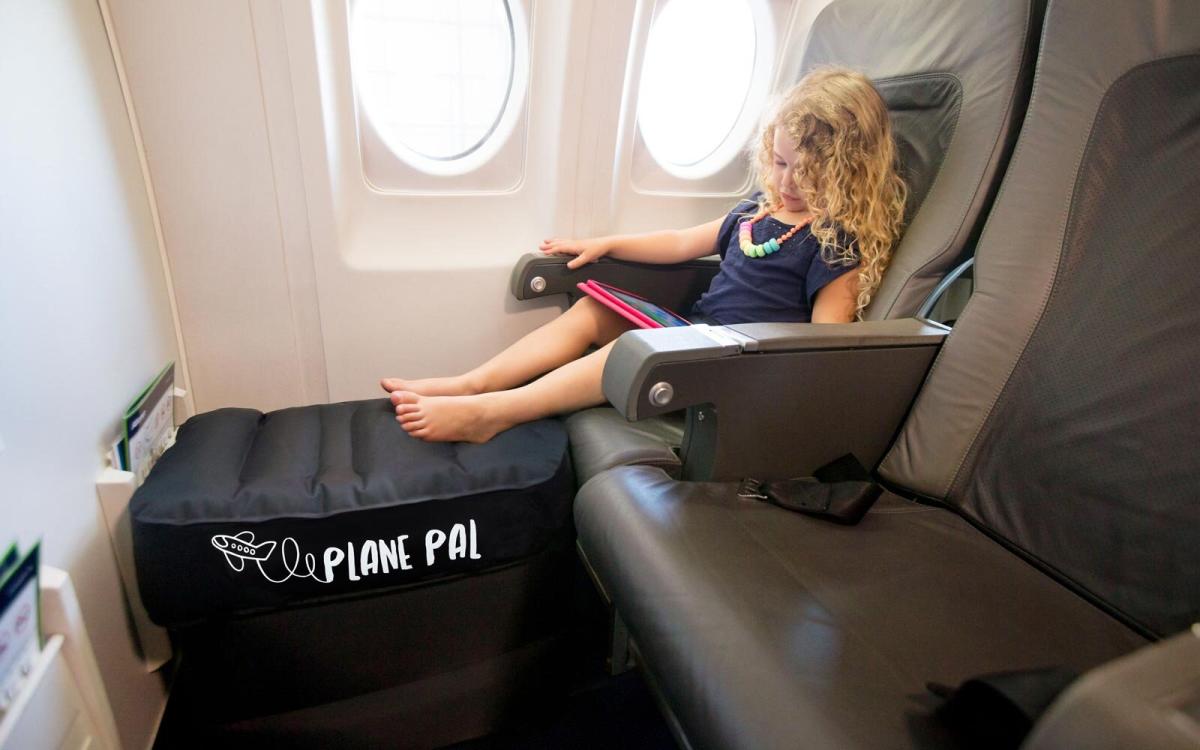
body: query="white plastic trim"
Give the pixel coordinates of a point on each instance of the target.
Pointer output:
(135, 127)
(62, 616)
(115, 489)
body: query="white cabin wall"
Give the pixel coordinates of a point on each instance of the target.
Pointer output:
(417, 285)
(85, 317)
(276, 306)
(298, 283)
(236, 238)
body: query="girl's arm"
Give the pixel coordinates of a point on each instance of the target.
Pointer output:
(670, 246)
(836, 301)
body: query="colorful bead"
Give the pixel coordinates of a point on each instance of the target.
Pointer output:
(752, 250)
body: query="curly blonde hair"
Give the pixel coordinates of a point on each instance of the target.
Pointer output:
(848, 170)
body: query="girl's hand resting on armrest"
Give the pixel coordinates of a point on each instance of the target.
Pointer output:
(585, 251)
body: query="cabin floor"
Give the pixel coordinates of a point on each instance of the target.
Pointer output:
(597, 711)
(615, 712)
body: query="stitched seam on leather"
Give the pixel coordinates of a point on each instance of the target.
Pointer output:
(779, 559)
(986, 417)
(966, 313)
(1054, 289)
(1056, 575)
(997, 145)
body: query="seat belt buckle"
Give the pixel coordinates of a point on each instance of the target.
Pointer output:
(751, 489)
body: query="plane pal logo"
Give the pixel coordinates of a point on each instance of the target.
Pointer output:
(354, 561)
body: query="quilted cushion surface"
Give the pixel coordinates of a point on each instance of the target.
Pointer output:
(252, 511)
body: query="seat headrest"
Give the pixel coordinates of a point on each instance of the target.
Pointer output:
(956, 75)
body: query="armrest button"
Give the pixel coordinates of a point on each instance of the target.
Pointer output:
(661, 394)
(537, 284)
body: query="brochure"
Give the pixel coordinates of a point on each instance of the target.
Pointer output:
(148, 422)
(20, 622)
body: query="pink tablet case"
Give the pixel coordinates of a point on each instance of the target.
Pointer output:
(598, 292)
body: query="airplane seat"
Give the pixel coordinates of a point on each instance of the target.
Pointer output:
(956, 78)
(329, 579)
(1042, 509)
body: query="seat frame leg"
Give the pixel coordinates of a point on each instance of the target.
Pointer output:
(620, 655)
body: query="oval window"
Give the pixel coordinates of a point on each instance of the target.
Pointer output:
(703, 59)
(439, 82)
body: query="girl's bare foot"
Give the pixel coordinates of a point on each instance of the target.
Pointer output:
(458, 385)
(472, 418)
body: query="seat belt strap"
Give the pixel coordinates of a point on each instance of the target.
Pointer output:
(840, 491)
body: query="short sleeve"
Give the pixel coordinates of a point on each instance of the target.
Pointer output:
(820, 273)
(730, 225)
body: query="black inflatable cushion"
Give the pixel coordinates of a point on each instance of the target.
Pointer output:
(252, 511)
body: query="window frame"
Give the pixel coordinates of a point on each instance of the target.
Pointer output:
(720, 171)
(496, 164)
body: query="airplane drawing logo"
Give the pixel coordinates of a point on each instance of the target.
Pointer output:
(355, 560)
(289, 563)
(241, 547)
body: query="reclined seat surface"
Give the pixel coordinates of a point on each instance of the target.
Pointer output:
(1053, 443)
(956, 77)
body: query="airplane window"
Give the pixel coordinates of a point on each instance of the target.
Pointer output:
(701, 63)
(439, 82)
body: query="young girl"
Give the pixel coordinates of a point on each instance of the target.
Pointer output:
(815, 248)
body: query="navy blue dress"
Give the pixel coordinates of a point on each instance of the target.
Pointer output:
(777, 288)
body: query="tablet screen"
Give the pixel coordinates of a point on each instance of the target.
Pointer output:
(649, 309)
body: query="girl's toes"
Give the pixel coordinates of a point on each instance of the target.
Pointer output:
(391, 384)
(411, 424)
(404, 397)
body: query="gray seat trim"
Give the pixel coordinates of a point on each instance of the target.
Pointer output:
(1023, 238)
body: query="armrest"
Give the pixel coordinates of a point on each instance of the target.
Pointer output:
(775, 400)
(1147, 699)
(675, 286)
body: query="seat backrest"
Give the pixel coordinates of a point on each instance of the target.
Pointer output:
(956, 76)
(1063, 413)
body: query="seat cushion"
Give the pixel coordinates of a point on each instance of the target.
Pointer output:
(602, 438)
(764, 628)
(251, 511)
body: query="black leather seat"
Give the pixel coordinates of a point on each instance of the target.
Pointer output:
(765, 628)
(1056, 431)
(956, 76)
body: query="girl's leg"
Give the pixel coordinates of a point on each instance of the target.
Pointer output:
(476, 418)
(584, 324)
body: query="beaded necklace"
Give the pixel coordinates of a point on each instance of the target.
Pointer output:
(752, 250)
